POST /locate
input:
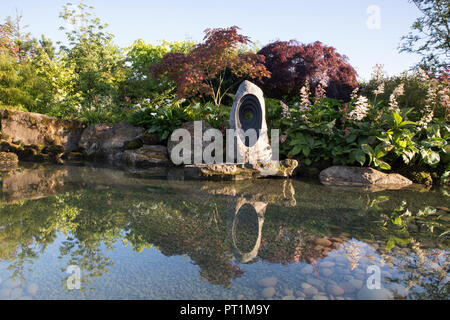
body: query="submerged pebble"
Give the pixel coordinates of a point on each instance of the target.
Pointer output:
(307, 269)
(305, 285)
(288, 292)
(311, 291)
(356, 283)
(268, 292)
(32, 289)
(348, 287)
(315, 282)
(335, 290)
(326, 272)
(268, 282)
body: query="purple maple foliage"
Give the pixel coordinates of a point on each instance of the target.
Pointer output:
(291, 63)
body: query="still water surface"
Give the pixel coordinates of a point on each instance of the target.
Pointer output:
(146, 235)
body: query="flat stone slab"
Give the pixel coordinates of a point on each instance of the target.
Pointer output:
(361, 177)
(226, 171)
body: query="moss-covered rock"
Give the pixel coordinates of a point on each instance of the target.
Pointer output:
(53, 149)
(40, 157)
(422, 177)
(150, 138)
(133, 144)
(8, 158)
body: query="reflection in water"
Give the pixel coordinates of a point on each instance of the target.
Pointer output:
(246, 220)
(136, 236)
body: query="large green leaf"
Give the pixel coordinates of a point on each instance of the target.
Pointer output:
(407, 123)
(359, 156)
(367, 149)
(296, 150)
(397, 118)
(381, 164)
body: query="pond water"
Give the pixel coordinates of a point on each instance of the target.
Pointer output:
(151, 235)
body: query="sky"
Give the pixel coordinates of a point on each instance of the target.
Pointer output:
(367, 32)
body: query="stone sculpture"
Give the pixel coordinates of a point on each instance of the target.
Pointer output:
(248, 115)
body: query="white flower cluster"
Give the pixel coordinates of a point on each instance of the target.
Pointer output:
(445, 98)
(285, 109)
(393, 103)
(422, 75)
(379, 90)
(361, 109)
(320, 89)
(428, 112)
(378, 74)
(305, 103)
(354, 94)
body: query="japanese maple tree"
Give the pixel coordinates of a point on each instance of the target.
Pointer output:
(203, 70)
(291, 63)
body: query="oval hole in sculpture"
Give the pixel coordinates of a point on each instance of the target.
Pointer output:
(250, 116)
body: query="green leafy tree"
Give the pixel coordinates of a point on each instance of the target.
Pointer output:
(430, 34)
(140, 84)
(97, 62)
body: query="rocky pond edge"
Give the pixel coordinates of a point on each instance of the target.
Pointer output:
(34, 137)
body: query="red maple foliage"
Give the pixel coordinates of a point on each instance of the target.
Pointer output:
(203, 70)
(7, 43)
(291, 63)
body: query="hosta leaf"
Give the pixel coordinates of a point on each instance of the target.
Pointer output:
(367, 149)
(381, 164)
(359, 156)
(397, 118)
(296, 150)
(306, 151)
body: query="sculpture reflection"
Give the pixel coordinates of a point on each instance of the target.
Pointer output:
(245, 222)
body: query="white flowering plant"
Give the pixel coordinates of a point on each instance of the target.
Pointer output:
(376, 130)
